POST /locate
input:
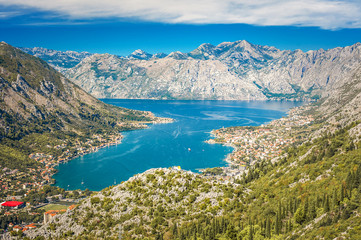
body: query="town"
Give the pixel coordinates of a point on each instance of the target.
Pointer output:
(258, 143)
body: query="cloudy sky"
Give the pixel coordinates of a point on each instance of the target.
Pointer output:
(121, 26)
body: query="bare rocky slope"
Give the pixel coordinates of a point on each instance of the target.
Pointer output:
(59, 60)
(36, 98)
(231, 70)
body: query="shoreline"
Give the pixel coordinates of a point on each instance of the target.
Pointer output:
(114, 140)
(247, 140)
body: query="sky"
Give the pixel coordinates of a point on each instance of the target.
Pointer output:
(122, 26)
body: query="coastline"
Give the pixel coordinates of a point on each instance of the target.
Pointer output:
(84, 147)
(252, 144)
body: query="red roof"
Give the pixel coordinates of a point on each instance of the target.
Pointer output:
(12, 203)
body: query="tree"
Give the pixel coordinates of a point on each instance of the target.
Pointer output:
(268, 228)
(299, 216)
(250, 237)
(305, 210)
(175, 230)
(312, 212)
(334, 199)
(231, 232)
(326, 205)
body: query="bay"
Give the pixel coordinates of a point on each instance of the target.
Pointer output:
(180, 143)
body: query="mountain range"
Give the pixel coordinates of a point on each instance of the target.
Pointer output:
(231, 70)
(59, 60)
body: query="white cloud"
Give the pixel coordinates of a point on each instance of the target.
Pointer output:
(9, 14)
(327, 14)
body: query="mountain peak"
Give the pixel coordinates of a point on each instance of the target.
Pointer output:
(206, 46)
(177, 55)
(159, 55)
(140, 54)
(204, 51)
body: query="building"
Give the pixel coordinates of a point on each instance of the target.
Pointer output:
(13, 204)
(51, 213)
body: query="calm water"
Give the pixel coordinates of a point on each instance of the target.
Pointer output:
(165, 145)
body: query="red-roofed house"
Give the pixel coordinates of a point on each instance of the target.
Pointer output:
(17, 228)
(13, 204)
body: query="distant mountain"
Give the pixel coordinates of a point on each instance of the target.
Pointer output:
(140, 55)
(58, 59)
(110, 76)
(230, 70)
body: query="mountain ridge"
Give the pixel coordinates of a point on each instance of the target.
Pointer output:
(244, 70)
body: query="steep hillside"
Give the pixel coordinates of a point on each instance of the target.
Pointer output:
(43, 113)
(313, 193)
(230, 70)
(32, 93)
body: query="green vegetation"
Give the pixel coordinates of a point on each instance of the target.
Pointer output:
(54, 207)
(314, 192)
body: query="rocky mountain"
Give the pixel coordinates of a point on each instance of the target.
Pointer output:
(182, 193)
(140, 55)
(33, 91)
(59, 60)
(230, 70)
(40, 107)
(109, 76)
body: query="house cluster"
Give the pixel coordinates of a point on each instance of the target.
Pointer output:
(253, 144)
(22, 228)
(14, 180)
(294, 120)
(11, 208)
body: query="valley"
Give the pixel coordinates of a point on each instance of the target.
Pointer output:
(295, 177)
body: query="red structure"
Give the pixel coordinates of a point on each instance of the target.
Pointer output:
(13, 204)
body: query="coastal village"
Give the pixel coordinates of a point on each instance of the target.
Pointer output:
(13, 180)
(259, 143)
(16, 186)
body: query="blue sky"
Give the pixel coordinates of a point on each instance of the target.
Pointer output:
(122, 26)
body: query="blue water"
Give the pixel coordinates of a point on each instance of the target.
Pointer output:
(165, 145)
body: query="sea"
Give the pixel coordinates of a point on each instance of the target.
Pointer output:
(180, 143)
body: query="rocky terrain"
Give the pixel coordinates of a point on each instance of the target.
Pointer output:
(32, 92)
(230, 70)
(153, 198)
(59, 60)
